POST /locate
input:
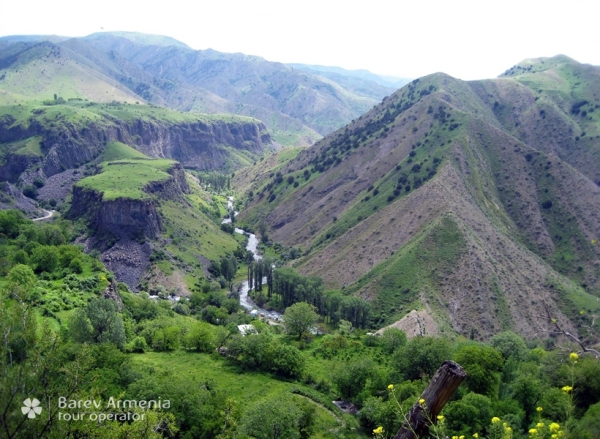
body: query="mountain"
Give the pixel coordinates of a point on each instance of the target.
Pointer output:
(477, 202)
(362, 76)
(297, 107)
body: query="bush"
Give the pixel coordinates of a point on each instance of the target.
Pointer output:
(30, 191)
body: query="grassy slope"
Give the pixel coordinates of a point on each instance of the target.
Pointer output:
(127, 178)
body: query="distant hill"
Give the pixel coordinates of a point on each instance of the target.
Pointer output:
(362, 75)
(298, 107)
(477, 202)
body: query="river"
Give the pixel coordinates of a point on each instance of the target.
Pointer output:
(245, 300)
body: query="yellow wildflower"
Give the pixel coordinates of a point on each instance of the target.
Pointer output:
(554, 427)
(462, 436)
(539, 409)
(476, 436)
(533, 431)
(594, 241)
(441, 418)
(391, 387)
(540, 425)
(573, 356)
(454, 437)
(421, 401)
(567, 389)
(495, 420)
(378, 430)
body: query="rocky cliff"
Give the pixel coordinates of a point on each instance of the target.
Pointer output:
(200, 144)
(125, 217)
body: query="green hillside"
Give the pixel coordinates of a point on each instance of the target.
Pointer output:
(509, 161)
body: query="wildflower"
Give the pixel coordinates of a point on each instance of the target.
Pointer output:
(533, 431)
(462, 436)
(441, 418)
(540, 425)
(554, 427)
(567, 389)
(582, 312)
(495, 420)
(421, 401)
(539, 409)
(573, 356)
(391, 387)
(476, 436)
(378, 430)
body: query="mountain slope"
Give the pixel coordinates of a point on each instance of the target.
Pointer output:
(298, 107)
(445, 197)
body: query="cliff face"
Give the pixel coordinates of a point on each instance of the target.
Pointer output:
(124, 217)
(123, 226)
(121, 218)
(199, 145)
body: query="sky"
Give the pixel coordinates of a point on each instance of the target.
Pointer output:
(463, 38)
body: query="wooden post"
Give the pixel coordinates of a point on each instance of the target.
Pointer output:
(440, 389)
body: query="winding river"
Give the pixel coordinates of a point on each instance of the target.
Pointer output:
(252, 245)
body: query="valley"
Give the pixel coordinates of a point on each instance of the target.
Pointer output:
(261, 243)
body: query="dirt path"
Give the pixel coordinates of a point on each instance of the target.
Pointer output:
(49, 214)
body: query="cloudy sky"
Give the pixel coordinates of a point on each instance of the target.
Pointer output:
(466, 39)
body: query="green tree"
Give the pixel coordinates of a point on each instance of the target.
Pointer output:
(21, 281)
(392, 339)
(300, 318)
(287, 361)
(469, 415)
(421, 357)
(80, 328)
(45, 258)
(483, 365)
(510, 345)
(273, 418)
(200, 337)
(107, 323)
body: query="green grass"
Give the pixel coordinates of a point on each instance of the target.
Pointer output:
(247, 387)
(127, 178)
(30, 147)
(120, 151)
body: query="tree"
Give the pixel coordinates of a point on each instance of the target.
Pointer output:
(200, 337)
(392, 339)
(80, 328)
(45, 257)
(483, 365)
(21, 281)
(107, 323)
(421, 356)
(287, 361)
(510, 345)
(274, 418)
(300, 318)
